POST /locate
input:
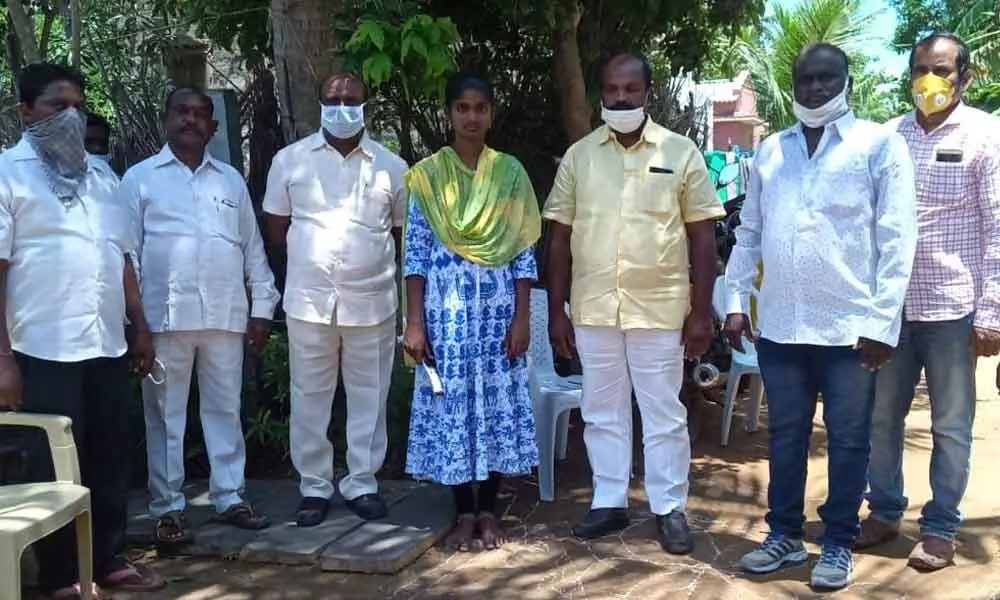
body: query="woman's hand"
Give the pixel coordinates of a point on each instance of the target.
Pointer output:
(518, 336)
(415, 342)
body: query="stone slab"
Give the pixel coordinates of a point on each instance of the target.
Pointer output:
(289, 544)
(284, 542)
(389, 545)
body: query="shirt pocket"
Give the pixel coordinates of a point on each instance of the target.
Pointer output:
(307, 195)
(226, 220)
(373, 207)
(658, 192)
(946, 182)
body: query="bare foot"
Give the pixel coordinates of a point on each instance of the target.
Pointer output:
(463, 537)
(490, 531)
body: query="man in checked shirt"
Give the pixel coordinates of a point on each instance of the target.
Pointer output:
(952, 307)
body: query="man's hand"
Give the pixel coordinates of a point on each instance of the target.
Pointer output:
(986, 342)
(736, 328)
(415, 342)
(141, 351)
(697, 334)
(874, 355)
(518, 336)
(561, 335)
(257, 332)
(10, 382)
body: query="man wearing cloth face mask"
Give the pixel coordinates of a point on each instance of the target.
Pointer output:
(628, 202)
(66, 288)
(335, 205)
(830, 210)
(952, 310)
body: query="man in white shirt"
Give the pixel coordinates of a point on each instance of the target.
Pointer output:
(199, 251)
(66, 288)
(830, 210)
(335, 207)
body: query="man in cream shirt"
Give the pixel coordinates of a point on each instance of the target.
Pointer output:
(628, 201)
(199, 251)
(335, 207)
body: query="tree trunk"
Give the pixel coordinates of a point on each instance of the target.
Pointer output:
(24, 27)
(302, 34)
(570, 83)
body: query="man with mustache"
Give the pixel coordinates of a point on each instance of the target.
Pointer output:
(200, 250)
(628, 202)
(66, 289)
(952, 311)
(830, 210)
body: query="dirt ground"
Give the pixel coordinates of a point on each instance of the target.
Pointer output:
(726, 510)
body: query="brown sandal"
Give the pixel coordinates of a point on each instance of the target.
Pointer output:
(243, 516)
(132, 578)
(171, 530)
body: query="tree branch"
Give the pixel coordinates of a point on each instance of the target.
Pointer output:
(570, 83)
(25, 30)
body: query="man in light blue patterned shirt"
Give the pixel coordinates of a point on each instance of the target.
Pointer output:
(830, 210)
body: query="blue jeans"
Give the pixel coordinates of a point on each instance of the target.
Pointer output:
(943, 350)
(794, 374)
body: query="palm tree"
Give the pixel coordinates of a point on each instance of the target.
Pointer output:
(769, 58)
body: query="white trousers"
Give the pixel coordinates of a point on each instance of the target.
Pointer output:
(219, 358)
(652, 362)
(317, 353)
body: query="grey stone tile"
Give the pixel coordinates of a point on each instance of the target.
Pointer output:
(389, 545)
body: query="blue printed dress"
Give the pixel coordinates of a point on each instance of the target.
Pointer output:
(484, 420)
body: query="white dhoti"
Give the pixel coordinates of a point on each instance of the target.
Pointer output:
(219, 359)
(652, 363)
(317, 354)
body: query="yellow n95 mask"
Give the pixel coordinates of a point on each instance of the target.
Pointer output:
(932, 94)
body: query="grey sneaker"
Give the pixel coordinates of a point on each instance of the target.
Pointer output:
(775, 552)
(833, 571)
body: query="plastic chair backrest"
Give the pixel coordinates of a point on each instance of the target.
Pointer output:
(539, 347)
(59, 431)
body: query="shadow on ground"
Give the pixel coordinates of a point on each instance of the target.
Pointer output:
(727, 506)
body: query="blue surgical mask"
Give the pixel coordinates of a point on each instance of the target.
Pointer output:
(342, 122)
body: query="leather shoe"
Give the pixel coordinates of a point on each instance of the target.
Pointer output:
(311, 511)
(601, 522)
(369, 507)
(674, 533)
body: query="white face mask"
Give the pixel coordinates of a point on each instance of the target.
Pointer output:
(821, 116)
(623, 121)
(342, 122)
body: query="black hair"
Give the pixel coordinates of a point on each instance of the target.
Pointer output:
(35, 78)
(462, 82)
(963, 60)
(96, 120)
(647, 70)
(818, 46)
(188, 89)
(343, 75)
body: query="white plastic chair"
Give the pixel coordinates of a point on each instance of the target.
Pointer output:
(552, 396)
(32, 511)
(744, 364)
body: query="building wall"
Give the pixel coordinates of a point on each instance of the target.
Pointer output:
(726, 134)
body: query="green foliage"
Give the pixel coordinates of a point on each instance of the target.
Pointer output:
(239, 26)
(417, 54)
